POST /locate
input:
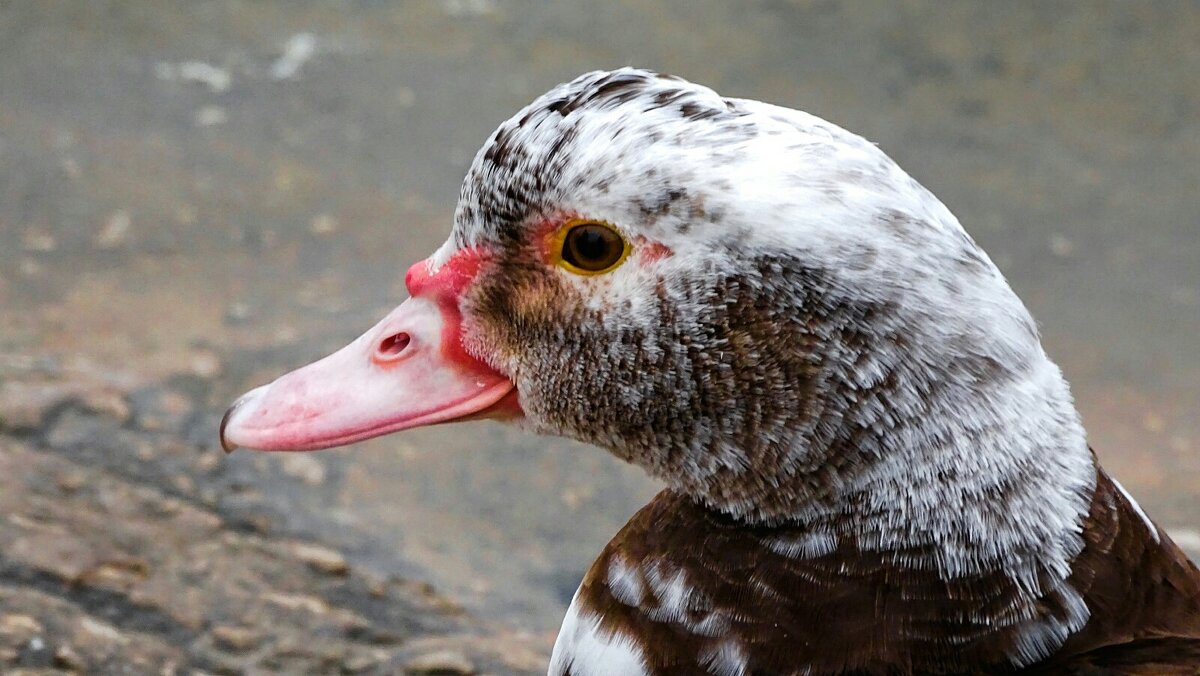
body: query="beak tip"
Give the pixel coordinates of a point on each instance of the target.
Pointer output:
(227, 445)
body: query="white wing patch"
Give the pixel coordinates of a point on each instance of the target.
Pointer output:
(587, 650)
(661, 593)
(1137, 508)
(725, 659)
(807, 545)
(624, 583)
(1035, 641)
(680, 603)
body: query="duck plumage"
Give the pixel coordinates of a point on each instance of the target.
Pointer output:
(871, 464)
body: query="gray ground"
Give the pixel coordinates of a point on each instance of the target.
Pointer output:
(195, 197)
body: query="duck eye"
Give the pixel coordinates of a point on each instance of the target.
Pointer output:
(591, 248)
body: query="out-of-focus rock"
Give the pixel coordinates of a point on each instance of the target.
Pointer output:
(1153, 422)
(23, 627)
(364, 661)
(210, 116)
(238, 312)
(297, 51)
(70, 481)
(205, 363)
(235, 639)
(115, 231)
(160, 409)
(29, 267)
(121, 574)
(320, 558)
(440, 663)
(65, 657)
(38, 241)
(101, 630)
(25, 406)
(301, 602)
(1061, 245)
(158, 584)
(303, 467)
(208, 462)
(217, 79)
(323, 224)
(107, 402)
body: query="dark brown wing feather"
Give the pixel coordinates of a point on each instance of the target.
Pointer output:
(1143, 593)
(1149, 657)
(861, 612)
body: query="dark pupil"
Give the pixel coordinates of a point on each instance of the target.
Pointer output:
(592, 247)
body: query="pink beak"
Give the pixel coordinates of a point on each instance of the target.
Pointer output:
(409, 370)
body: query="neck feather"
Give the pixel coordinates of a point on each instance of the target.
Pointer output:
(993, 486)
(916, 428)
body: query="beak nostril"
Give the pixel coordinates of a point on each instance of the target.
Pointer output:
(393, 345)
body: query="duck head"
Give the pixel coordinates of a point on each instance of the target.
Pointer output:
(755, 305)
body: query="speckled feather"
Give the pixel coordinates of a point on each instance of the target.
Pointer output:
(841, 383)
(829, 607)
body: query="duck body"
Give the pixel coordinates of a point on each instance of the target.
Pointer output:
(685, 589)
(871, 464)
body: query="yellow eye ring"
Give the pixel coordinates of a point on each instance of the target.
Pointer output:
(588, 247)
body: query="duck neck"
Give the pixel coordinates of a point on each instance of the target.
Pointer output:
(986, 489)
(976, 476)
(979, 477)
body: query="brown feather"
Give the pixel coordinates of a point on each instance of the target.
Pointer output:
(864, 612)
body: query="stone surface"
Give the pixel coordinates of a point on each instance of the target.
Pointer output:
(440, 663)
(100, 570)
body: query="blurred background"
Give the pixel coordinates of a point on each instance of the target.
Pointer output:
(196, 197)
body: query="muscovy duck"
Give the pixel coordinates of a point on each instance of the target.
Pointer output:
(871, 464)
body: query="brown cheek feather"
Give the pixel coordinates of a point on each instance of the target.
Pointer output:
(686, 396)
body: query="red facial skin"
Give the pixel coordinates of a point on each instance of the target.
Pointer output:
(446, 287)
(457, 274)
(411, 369)
(651, 250)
